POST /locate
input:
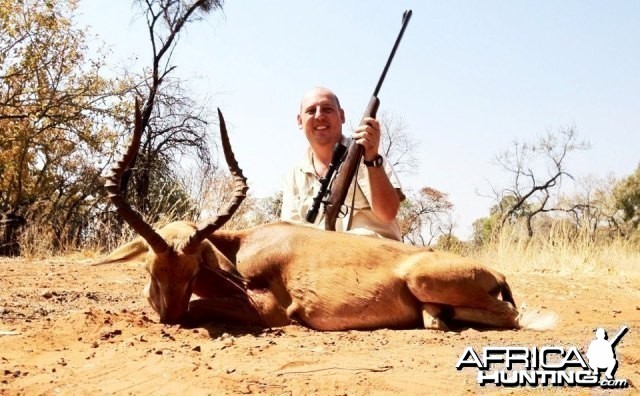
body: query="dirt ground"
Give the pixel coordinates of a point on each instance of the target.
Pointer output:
(69, 328)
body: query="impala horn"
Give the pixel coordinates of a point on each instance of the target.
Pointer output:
(112, 185)
(240, 193)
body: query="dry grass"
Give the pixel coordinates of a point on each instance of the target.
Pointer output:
(41, 240)
(561, 252)
(558, 251)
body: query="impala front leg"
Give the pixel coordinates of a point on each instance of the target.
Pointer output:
(258, 308)
(224, 309)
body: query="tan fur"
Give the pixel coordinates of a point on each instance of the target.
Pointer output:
(279, 273)
(324, 280)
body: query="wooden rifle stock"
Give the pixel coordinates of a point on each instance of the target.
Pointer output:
(349, 167)
(345, 174)
(336, 160)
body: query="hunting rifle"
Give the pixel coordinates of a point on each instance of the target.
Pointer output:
(347, 170)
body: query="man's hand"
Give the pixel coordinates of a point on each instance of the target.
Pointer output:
(368, 136)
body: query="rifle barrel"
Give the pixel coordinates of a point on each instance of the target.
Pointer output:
(347, 170)
(406, 16)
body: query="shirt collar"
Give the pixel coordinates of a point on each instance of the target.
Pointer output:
(307, 163)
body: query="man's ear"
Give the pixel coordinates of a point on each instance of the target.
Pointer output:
(300, 121)
(342, 115)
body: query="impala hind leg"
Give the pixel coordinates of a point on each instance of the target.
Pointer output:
(499, 317)
(436, 316)
(469, 289)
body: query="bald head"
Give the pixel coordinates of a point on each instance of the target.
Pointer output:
(319, 91)
(321, 119)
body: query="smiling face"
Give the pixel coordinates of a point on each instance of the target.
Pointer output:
(321, 118)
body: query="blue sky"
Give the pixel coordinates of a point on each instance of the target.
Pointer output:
(469, 78)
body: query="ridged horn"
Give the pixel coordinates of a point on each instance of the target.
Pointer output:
(112, 186)
(240, 193)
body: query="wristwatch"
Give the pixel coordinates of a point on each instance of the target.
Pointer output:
(376, 163)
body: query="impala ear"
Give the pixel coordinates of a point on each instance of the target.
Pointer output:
(130, 251)
(220, 273)
(213, 259)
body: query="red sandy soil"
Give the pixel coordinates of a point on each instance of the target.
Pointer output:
(69, 328)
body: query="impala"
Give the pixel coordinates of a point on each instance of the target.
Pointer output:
(276, 274)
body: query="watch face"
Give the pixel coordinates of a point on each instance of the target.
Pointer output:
(377, 162)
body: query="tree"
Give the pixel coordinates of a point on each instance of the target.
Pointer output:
(592, 209)
(397, 144)
(422, 216)
(61, 120)
(269, 208)
(174, 124)
(626, 195)
(56, 116)
(427, 214)
(177, 133)
(483, 229)
(420, 213)
(450, 243)
(536, 171)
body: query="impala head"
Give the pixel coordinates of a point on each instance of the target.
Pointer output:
(176, 253)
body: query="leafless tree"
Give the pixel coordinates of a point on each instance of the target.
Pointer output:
(397, 144)
(592, 207)
(536, 171)
(423, 216)
(174, 124)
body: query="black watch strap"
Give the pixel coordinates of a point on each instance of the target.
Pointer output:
(376, 163)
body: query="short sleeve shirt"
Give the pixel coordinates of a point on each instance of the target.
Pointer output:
(302, 185)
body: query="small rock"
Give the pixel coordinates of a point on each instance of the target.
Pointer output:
(159, 352)
(92, 296)
(167, 335)
(197, 348)
(47, 294)
(230, 370)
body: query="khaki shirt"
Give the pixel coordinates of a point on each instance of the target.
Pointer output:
(302, 185)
